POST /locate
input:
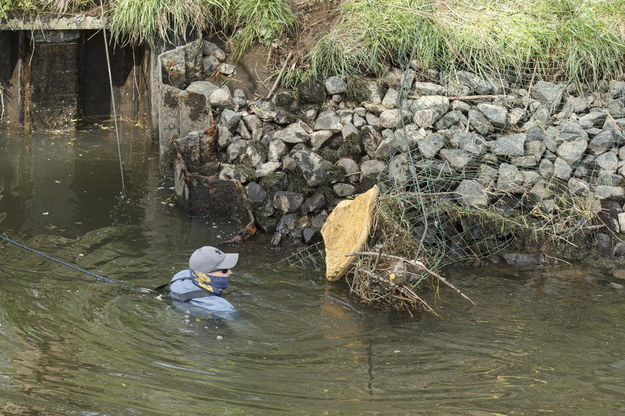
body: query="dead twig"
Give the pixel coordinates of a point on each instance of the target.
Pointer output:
(419, 266)
(410, 295)
(277, 81)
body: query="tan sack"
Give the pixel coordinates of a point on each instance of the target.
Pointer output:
(346, 230)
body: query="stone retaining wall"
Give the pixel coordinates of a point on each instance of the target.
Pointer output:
(302, 151)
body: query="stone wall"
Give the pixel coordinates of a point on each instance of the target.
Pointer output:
(300, 152)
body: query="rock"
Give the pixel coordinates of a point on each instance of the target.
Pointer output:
(570, 131)
(350, 132)
(372, 120)
(548, 93)
(389, 119)
(173, 66)
(202, 87)
(451, 119)
(511, 145)
(607, 161)
(607, 192)
(243, 132)
(425, 118)
(510, 179)
(372, 167)
(239, 98)
(319, 138)
(328, 120)
(226, 69)
(477, 84)
(287, 202)
(344, 189)
(352, 170)
(358, 121)
(516, 115)
(430, 146)
(209, 48)
(311, 236)
(400, 169)
(311, 91)
(224, 137)
(438, 103)
(535, 148)
(313, 166)
(487, 176)
(530, 178)
(496, 114)
(593, 119)
(277, 149)
(621, 222)
(461, 106)
(335, 85)
(255, 193)
(428, 88)
(456, 158)
(619, 249)
(236, 149)
(285, 226)
(315, 203)
(210, 65)
(229, 119)
(371, 139)
(572, 151)
(236, 173)
(578, 186)
(221, 98)
(535, 133)
(602, 142)
(297, 132)
(391, 98)
(372, 91)
(470, 194)
(561, 169)
(267, 168)
(523, 161)
(288, 164)
(254, 155)
(617, 89)
(193, 60)
(479, 122)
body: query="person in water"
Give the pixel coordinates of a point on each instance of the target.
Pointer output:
(202, 285)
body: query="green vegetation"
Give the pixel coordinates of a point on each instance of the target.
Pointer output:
(579, 41)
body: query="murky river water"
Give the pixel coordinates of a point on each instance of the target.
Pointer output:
(547, 340)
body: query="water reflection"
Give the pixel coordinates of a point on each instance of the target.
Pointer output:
(544, 340)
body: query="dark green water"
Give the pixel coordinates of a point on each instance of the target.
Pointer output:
(541, 341)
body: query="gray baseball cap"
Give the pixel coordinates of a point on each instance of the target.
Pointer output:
(208, 259)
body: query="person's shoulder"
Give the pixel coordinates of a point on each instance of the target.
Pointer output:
(180, 274)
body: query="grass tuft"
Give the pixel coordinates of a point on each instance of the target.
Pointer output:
(577, 41)
(260, 21)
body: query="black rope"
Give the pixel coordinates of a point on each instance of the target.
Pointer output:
(71, 266)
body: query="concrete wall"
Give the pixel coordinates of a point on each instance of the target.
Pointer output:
(58, 79)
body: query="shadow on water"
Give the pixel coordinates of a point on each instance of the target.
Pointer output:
(543, 340)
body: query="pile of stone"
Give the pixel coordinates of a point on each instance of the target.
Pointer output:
(300, 152)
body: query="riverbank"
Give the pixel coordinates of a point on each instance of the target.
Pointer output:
(468, 166)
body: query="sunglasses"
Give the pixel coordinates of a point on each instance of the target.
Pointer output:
(224, 270)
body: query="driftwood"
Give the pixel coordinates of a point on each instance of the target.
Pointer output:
(419, 265)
